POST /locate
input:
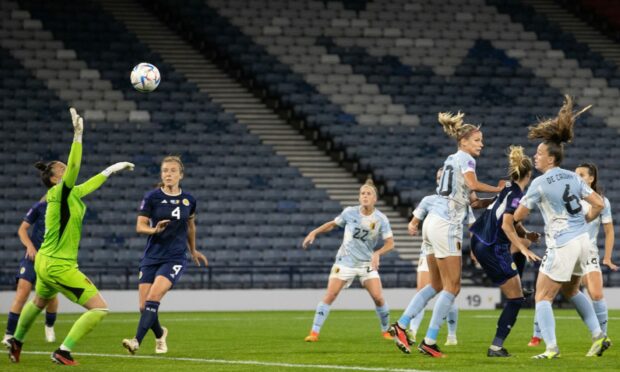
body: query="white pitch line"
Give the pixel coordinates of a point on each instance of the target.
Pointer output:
(239, 362)
(532, 316)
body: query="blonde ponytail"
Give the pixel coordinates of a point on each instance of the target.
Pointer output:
(519, 164)
(454, 126)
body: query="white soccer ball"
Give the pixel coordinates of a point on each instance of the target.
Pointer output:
(145, 77)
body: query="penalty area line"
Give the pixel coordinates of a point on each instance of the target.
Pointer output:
(238, 362)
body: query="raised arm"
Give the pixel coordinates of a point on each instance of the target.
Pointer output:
(474, 185)
(96, 181)
(326, 227)
(75, 156)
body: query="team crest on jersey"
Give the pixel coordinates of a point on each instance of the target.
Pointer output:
(175, 201)
(185, 202)
(372, 225)
(22, 270)
(336, 270)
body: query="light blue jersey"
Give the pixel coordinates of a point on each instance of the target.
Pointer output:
(361, 234)
(452, 188)
(428, 203)
(557, 193)
(603, 218)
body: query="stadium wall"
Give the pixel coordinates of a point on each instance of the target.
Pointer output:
(479, 298)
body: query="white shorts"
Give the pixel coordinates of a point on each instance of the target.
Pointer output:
(560, 263)
(347, 273)
(593, 264)
(422, 264)
(441, 238)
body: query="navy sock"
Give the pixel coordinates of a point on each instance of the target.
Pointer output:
(50, 319)
(519, 260)
(147, 319)
(11, 323)
(156, 327)
(507, 320)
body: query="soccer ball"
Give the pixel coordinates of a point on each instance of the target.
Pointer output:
(145, 77)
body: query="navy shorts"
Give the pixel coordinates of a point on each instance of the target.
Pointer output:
(495, 259)
(171, 270)
(26, 271)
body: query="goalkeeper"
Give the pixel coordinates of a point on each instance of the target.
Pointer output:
(56, 265)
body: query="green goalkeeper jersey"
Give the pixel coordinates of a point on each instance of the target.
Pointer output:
(65, 210)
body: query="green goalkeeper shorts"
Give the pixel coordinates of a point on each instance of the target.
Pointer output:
(57, 275)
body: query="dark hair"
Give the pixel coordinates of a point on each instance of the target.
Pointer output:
(47, 172)
(519, 164)
(557, 131)
(593, 171)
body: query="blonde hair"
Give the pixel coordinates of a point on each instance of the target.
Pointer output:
(557, 131)
(454, 127)
(519, 164)
(369, 183)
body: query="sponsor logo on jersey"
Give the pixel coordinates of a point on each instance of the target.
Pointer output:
(164, 201)
(186, 202)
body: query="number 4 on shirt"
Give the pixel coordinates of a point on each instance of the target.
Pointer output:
(176, 212)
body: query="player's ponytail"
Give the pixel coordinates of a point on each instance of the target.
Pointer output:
(519, 164)
(47, 172)
(454, 127)
(557, 131)
(593, 172)
(370, 183)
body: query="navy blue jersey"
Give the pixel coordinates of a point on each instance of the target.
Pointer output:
(36, 218)
(488, 227)
(170, 244)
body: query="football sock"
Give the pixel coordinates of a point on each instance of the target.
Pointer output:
(417, 304)
(322, 311)
(600, 307)
(417, 319)
(440, 312)
(147, 318)
(453, 318)
(11, 323)
(50, 319)
(507, 320)
(383, 312)
(26, 319)
(586, 312)
(546, 321)
(83, 326)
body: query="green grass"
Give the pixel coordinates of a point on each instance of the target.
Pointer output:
(220, 341)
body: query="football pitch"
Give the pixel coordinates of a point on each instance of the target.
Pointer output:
(273, 341)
